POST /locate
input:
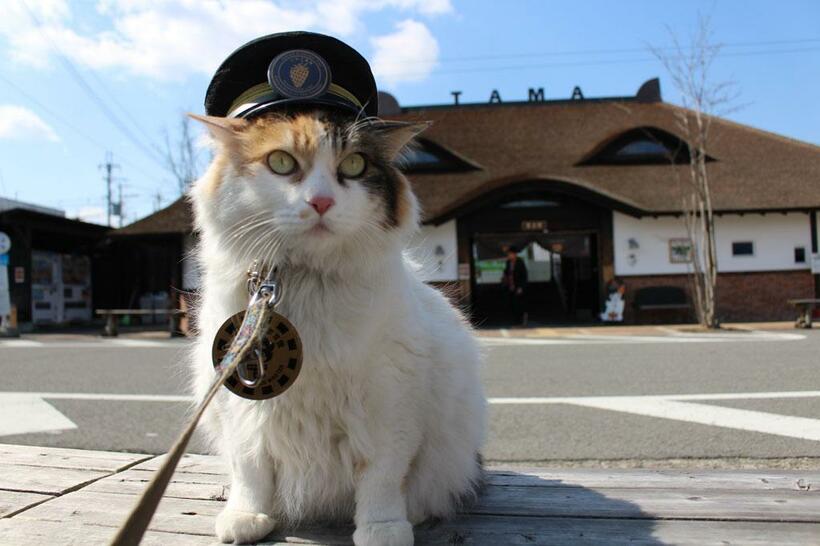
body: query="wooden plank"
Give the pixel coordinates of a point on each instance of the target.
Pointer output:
(597, 478)
(474, 530)
(694, 503)
(41, 479)
(57, 457)
(12, 502)
(188, 485)
(755, 480)
(187, 516)
(206, 464)
(22, 532)
(514, 531)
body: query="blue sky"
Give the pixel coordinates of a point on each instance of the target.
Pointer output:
(81, 78)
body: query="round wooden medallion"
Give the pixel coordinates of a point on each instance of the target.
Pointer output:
(281, 353)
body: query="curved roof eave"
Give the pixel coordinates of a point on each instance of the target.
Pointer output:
(528, 182)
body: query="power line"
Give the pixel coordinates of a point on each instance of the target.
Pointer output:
(112, 97)
(596, 52)
(67, 123)
(502, 68)
(107, 112)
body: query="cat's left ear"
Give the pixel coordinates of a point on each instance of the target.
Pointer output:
(224, 130)
(397, 134)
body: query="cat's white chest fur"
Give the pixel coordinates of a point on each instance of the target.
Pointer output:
(386, 419)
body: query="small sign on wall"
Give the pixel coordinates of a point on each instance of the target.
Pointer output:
(464, 272)
(815, 264)
(534, 225)
(680, 251)
(19, 274)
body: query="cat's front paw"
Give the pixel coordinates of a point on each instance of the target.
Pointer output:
(389, 533)
(234, 526)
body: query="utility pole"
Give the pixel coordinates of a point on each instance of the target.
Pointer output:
(108, 168)
(157, 201)
(119, 205)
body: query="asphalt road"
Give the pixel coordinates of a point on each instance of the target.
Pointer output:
(552, 401)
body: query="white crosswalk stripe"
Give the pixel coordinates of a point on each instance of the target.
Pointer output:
(29, 412)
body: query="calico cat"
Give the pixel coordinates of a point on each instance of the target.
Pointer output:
(385, 421)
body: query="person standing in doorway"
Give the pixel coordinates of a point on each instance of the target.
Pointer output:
(515, 281)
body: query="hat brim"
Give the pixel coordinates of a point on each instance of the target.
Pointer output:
(331, 101)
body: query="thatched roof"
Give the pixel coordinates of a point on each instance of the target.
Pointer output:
(544, 143)
(175, 218)
(753, 169)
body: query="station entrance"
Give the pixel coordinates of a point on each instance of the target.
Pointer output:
(561, 285)
(561, 233)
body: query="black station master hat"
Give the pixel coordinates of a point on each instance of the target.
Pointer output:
(291, 68)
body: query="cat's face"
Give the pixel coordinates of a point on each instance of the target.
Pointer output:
(306, 185)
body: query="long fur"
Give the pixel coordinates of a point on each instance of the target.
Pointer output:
(386, 419)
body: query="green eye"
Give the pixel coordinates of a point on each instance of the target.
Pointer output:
(352, 166)
(281, 162)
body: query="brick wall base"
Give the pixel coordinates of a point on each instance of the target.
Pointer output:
(757, 296)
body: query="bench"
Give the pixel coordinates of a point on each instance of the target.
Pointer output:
(69, 496)
(660, 297)
(111, 316)
(805, 310)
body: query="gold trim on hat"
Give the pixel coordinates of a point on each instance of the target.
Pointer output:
(260, 90)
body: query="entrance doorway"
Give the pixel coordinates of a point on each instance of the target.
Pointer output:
(562, 277)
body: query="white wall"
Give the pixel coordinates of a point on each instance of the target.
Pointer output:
(422, 249)
(774, 235)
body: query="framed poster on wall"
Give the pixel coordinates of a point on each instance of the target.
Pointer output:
(680, 251)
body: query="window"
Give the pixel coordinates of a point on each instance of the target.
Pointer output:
(425, 156)
(743, 248)
(641, 146)
(800, 255)
(529, 203)
(419, 158)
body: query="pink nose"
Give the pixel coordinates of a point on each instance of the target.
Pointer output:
(321, 204)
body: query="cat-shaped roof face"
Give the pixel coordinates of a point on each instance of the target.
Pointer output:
(308, 183)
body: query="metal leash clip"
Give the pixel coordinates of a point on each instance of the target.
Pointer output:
(272, 291)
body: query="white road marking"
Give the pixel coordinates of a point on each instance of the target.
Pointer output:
(506, 339)
(20, 343)
(96, 344)
(29, 412)
(679, 407)
(739, 419)
(650, 397)
(101, 396)
(681, 337)
(21, 413)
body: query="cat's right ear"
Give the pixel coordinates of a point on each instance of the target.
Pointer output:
(223, 130)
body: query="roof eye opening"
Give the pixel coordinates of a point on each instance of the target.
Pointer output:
(425, 156)
(641, 146)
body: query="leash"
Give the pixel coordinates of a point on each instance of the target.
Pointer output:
(255, 325)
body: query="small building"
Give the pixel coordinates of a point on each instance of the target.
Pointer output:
(590, 190)
(53, 264)
(148, 257)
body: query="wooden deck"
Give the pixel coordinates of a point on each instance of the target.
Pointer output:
(65, 496)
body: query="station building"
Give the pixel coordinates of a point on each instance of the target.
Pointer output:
(590, 190)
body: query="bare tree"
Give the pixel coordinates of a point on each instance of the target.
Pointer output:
(182, 156)
(689, 68)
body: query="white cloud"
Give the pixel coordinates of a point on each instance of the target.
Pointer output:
(407, 55)
(171, 39)
(19, 123)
